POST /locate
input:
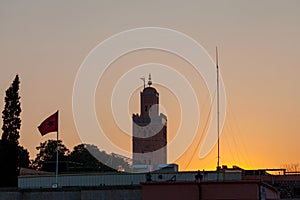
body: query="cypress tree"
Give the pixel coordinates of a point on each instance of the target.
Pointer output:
(11, 113)
(9, 143)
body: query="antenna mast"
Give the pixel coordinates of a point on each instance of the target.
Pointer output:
(218, 109)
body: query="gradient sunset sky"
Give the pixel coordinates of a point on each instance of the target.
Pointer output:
(45, 42)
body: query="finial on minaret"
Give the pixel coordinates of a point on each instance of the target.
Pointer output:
(149, 80)
(143, 79)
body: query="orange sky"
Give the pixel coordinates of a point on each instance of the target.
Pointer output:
(46, 42)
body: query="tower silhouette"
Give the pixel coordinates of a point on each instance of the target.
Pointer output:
(149, 139)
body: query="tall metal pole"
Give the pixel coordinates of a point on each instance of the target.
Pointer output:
(56, 169)
(218, 109)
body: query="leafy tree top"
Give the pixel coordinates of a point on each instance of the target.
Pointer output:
(47, 153)
(11, 113)
(89, 155)
(81, 155)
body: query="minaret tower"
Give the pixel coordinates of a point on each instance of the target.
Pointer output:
(149, 141)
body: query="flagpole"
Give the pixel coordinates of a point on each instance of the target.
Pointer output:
(56, 169)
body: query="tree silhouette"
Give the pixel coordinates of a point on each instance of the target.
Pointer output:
(9, 145)
(83, 158)
(8, 164)
(23, 157)
(11, 113)
(46, 158)
(89, 154)
(84, 161)
(292, 167)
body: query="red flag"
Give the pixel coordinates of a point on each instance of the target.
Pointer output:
(49, 125)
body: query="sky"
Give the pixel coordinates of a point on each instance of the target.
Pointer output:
(46, 42)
